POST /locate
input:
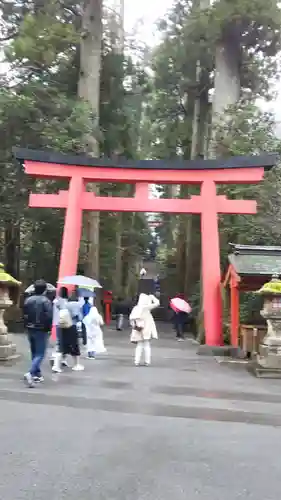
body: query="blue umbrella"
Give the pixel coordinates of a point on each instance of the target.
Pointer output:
(86, 292)
(81, 281)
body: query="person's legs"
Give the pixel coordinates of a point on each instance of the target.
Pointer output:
(75, 350)
(120, 319)
(147, 352)
(31, 344)
(57, 363)
(28, 377)
(38, 340)
(138, 352)
(179, 328)
(182, 327)
(41, 341)
(77, 367)
(90, 344)
(60, 357)
(57, 357)
(84, 335)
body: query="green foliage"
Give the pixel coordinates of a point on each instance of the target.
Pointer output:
(54, 41)
(39, 109)
(250, 131)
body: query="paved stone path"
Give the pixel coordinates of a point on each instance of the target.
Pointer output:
(185, 428)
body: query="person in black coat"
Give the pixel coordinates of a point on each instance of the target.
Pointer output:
(122, 310)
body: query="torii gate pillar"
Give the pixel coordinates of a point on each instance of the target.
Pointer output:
(80, 170)
(72, 228)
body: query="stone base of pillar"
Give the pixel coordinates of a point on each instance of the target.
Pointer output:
(260, 372)
(269, 357)
(8, 350)
(224, 351)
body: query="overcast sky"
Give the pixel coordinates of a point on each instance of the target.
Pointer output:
(148, 10)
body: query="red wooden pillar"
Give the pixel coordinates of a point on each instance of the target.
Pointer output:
(72, 228)
(211, 275)
(107, 300)
(234, 313)
(71, 232)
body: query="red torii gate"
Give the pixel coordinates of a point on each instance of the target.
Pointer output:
(206, 173)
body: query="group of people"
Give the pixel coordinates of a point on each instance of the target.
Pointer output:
(75, 320)
(72, 319)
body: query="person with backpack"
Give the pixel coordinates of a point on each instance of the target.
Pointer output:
(59, 303)
(38, 315)
(68, 314)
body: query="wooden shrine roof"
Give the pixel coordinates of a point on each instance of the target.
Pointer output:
(266, 161)
(249, 260)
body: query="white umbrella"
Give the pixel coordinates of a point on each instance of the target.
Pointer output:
(81, 281)
(31, 289)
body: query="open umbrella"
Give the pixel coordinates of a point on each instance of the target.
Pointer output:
(30, 289)
(86, 292)
(180, 305)
(80, 281)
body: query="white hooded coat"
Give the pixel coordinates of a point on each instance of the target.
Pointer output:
(142, 317)
(93, 322)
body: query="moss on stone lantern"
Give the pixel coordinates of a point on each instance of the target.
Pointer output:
(270, 350)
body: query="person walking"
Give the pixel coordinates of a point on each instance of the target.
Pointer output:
(122, 310)
(181, 310)
(38, 315)
(143, 327)
(179, 321)
(85, 308)
(69, 314)
(143, 272)
(93, 322)
(59, 303)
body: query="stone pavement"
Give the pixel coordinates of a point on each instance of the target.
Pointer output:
(185, 428)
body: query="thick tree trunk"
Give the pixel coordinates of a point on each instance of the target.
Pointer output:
(227, 76)
(227, 83)
(12, 249)
(89, 90)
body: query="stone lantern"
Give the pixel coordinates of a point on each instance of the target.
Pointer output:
(9, 294)
(269, 356)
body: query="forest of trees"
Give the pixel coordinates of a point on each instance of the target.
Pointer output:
(71, 82)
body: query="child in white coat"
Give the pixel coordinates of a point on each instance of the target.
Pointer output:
(93, 322)
(143, 327)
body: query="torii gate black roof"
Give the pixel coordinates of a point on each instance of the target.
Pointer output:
(266, 160)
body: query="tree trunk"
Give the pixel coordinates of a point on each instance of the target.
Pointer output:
(12, 249)
(227, 83)
(192, 227)
(227, 76)
(89, 90)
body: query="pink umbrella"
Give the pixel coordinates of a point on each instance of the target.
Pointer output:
(180, 305)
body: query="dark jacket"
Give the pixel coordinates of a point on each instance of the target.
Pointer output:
(38, 313)
(122, 307)
(180, 317)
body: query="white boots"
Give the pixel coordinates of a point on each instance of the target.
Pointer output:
(145, 346)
